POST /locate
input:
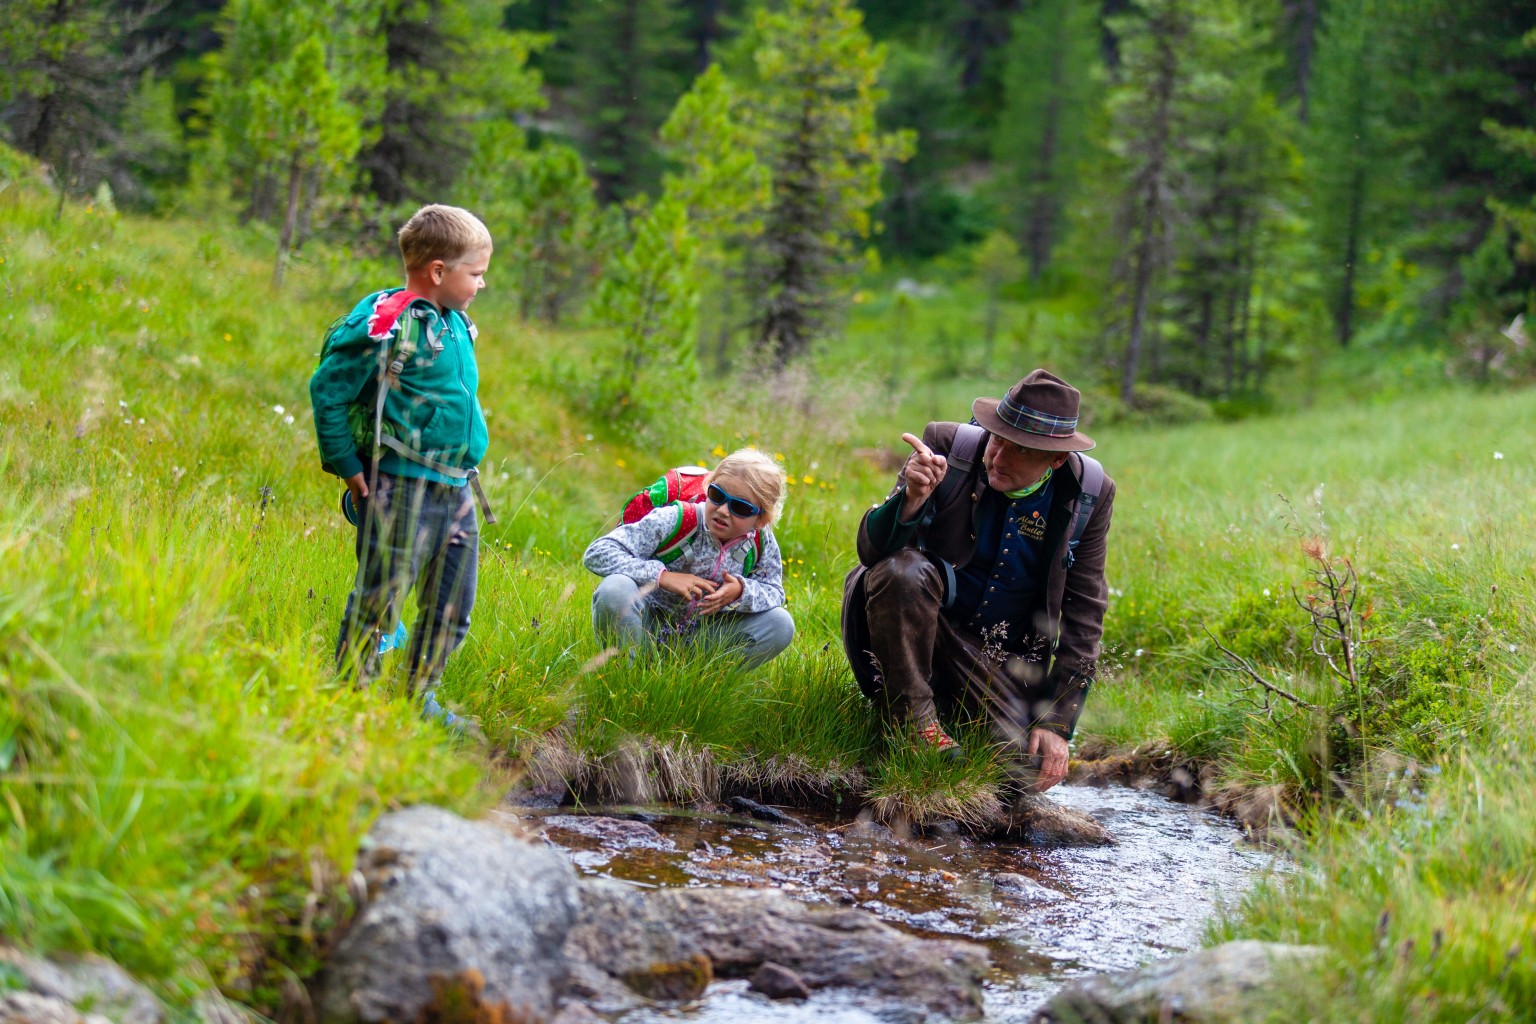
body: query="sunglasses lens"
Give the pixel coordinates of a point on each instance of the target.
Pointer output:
(739, 507)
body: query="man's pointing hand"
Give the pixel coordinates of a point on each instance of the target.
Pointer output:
(923, 472)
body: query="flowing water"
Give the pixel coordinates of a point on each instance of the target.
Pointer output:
(1046, 913)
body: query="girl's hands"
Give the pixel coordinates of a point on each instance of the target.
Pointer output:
(686, 585)
(724, 595)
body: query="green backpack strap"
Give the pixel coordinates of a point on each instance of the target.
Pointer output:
(754, 554)
(687, 524)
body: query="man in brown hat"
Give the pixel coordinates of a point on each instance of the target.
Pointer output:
(981, 580)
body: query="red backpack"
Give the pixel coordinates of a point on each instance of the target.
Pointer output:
(682, 486)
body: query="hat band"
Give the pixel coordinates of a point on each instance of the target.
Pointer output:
(1034, 421)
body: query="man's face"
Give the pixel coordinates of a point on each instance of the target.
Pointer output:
(462, 283)
(1012, 468)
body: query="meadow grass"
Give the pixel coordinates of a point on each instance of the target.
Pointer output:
(185, 781)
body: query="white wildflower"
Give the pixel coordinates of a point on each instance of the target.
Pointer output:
(1498, 455)
(279, 409)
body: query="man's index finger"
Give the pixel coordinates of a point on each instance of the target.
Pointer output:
(917, 444)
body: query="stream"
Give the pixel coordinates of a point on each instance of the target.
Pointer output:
(1046, 913)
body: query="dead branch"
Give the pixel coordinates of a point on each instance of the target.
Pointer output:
(1245, 667)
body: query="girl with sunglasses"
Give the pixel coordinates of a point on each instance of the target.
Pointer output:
(711, 568)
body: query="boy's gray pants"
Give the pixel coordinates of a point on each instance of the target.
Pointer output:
(412, 533)
(620, 607)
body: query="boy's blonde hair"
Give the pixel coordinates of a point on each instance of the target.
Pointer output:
(763, 477)
(447, 233)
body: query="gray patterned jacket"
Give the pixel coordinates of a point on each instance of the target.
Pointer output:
(630, 550)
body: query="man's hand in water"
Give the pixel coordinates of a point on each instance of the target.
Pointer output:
(1053, 758)
(924, 471)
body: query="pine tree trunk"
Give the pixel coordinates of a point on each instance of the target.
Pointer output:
(1042, 227)
(290, 219)
(1151, 217)
(1344, 313)
(1306, 41)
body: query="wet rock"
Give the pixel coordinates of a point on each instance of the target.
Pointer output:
(610, 833)
(1024, 887)
(90, 981)
(1229, 982)
(32, 1008)
(675, 982)
(762, 812)
(461, 917)
(859, 874)
(779, 982)
(624, 931)
(1039, 819)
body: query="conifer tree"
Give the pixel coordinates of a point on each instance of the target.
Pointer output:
(1148, 110)
(1352, 155)
(920, 209)
(814, 106)
(1050, 98)
(284, 118)
(1240, 155)
(651, 292)
(627, 57)
(70, 67)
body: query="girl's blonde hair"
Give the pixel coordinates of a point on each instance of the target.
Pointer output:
(763, 477)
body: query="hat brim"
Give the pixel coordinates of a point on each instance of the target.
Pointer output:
(985, 411)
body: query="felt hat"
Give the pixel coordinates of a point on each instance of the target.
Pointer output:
(1039, 412)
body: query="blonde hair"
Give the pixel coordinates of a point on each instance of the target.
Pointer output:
(447, 233)
(763, 477)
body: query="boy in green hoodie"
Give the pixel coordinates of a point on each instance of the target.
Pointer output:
(397, 418)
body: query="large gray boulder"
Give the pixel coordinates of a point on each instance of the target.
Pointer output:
(1231, 982)
(627, 938)
(458, 914)
(88, 981)
(31, 1008)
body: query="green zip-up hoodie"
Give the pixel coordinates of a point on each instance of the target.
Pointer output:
(433, 410)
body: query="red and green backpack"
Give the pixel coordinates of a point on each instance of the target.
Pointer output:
(684, 487)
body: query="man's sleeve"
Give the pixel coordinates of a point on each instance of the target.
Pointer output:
(1082, 622)
(344, 371)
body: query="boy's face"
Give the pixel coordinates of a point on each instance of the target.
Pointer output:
(458, 286)
(724, 525)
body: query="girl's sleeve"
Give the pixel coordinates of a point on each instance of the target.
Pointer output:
(629, 549)
(764, 588)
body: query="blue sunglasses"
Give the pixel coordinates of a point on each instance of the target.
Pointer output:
(741, 508)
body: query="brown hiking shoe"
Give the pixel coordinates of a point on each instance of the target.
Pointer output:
(934, 735)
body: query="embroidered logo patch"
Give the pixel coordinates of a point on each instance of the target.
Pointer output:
(1032, 526)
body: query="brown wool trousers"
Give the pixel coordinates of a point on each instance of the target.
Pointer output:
(926, 662)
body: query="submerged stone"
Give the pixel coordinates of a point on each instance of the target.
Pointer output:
(779, 982)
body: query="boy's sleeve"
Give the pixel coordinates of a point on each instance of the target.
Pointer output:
(764, 588)
(628, 549)
(350, 361)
